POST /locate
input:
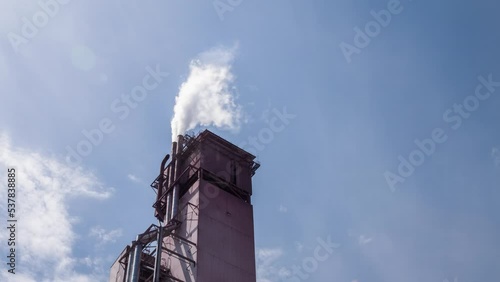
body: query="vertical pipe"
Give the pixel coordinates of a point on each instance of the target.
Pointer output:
(172, 164)
(172, 180)
(180, 144)
(168, 198)
(177, 171)
(169, 207)
(159, 241)
(129, 263)
(175, 200)
(135, 263)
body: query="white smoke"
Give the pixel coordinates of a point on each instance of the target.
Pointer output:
(206, 97)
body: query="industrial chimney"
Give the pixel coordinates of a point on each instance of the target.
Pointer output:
(205, 217)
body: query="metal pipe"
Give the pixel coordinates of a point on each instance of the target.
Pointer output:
(135, 264)
(175, 191)
(175, 200)
(172, 164)
(159, 243)
(158, 212)
(174, 150)
(180, 144)
(129, 264)
(171, 180)
(169, 207)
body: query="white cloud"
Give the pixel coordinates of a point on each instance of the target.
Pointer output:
(134, 178)
(96, 264)
(45, 231)
(266, 269)
(105, 236)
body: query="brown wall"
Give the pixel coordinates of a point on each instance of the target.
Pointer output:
(221, 161)
(226, 251)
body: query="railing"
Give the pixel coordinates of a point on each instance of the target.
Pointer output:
(187, 175)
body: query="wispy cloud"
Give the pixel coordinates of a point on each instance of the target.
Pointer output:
(266, 269)
(96, 265)
(134, 178)
(105, 236)
(46, 229)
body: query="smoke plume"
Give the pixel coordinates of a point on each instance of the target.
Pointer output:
(206, 97)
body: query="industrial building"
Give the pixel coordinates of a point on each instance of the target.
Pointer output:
(205, 230)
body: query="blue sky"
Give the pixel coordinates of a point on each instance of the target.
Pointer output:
(322, 177)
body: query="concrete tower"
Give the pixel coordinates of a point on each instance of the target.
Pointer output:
(204, 207)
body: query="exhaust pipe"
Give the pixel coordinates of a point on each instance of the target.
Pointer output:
(172, 163)
(171, 180)
(175, 191)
